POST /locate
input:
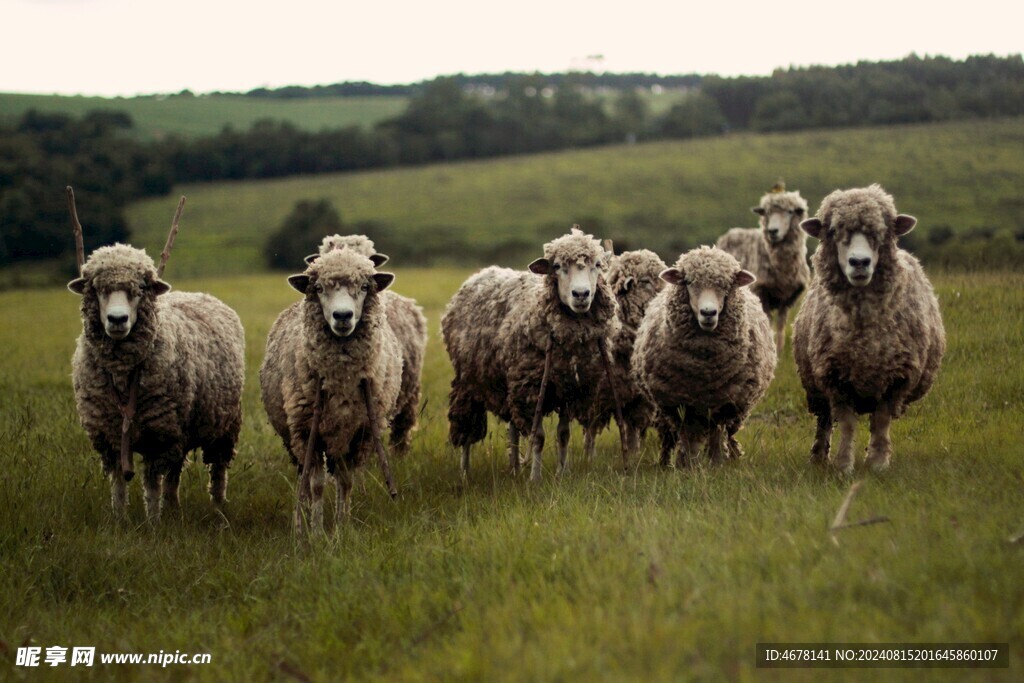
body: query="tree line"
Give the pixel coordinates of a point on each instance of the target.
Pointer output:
(465, 117)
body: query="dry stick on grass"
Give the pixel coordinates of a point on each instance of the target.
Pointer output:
(538, 413)
(606, 361)
(880, 519)
(840, 517)
(76, 227)
(378, 444)
(166, 253)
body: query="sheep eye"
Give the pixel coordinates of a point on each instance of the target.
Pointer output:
(365, 287)
(319, 288)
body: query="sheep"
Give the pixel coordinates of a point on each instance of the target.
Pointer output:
(524, 344)
(178, 357)
(704, 354)
(634, 279)
(330, 378)
(409, 325)
(869, 338)
(776, 253)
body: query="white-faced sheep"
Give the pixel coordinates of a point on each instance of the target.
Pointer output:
(179, 357)
(508, 331)
(332, 370)
(634, 278)
(776, 253)
(409, 325)
(704, 353)
(869, 338)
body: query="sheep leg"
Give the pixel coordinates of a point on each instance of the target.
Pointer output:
(465, 459)
(715, 437)
(669, 436)
(118, 493)
(780, 329)
(513, 448)
(735, 450)
(847, 418)
(343, 506)
(880, 448)
(316, 490)
(822, 438)
(151, 484)
(606, 361)
(219, 483)
(537, 445)
(563, 441)
(303, 493)
(589, 442)
(684, 456)
(169, 487)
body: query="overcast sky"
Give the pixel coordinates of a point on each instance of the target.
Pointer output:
(128, 47)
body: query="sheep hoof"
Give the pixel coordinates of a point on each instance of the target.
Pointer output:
(878, 461)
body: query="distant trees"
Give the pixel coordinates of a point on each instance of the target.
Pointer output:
(300, 234)
(42, 153)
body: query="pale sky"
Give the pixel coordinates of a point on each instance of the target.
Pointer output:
(128, 47)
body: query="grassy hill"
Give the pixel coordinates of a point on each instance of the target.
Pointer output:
(666, 196)
(155, 116)
(597, 576)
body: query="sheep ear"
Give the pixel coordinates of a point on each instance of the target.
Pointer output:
(541, 266)
(77, 285)
(299, 282)
(903, 224)
(758, 210)
(383, 280)
(312, 257)
(379, 260)
(673, 276)
(812, 226)
(744, 278)
(159, 287)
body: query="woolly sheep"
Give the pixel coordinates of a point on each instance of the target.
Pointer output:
(634, 279)
(498, 328)
(409, 325)
(869, 338)
(337, 341)
(187, 350)
(704, 353)
(776, 253)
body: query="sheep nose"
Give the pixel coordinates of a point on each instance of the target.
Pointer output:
(581, 293)
(773, 231)
(860, 262)
(117, 319)
(709, 312)
(342, 316)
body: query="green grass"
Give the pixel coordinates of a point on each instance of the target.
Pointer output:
(666, 196)
(652, 575)
(157, 117)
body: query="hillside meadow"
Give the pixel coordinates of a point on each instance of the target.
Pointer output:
(155, 116)
(960, 177)
(648, 575)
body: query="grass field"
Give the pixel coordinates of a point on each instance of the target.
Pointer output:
(652, 575)
(665, 196)
(156, 117)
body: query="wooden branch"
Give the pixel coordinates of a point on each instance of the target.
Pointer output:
(378, 444)
(166, 253)
(840, 517)
(538, 413)
(76, 227)
(602, 348)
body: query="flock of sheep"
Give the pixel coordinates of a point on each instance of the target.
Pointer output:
(688, 350)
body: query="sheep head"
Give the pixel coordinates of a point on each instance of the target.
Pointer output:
(709, 276)
(344, 283)
(574, 262)
(115, 282)
(858, 230)
(780, 212)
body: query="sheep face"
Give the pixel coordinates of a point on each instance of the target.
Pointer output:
(709, 276)
(776, 225)
(119, 277)
(576, 280)
(341, 282)
(780, 212)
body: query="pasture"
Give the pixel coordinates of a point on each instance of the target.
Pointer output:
(648, 575)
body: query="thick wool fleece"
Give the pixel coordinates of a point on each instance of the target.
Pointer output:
(781, 269)
(303, 354)
(410, 327)
(716, 376)
(633, 279)
(189, 349)
(496, 329)
(861, 346)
